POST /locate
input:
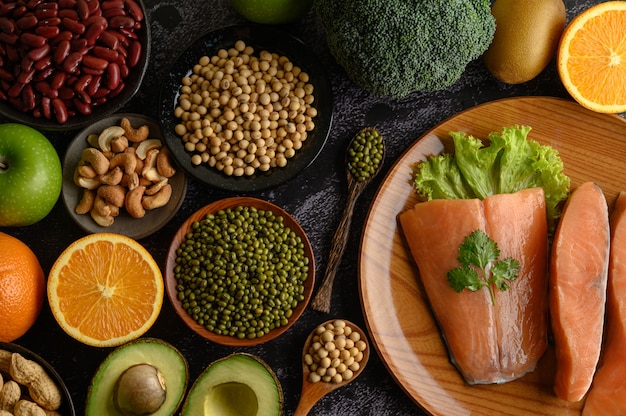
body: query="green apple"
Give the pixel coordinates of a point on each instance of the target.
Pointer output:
(272, 11)
(30, 175)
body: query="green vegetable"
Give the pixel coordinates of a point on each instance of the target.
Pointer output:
(477, 253)
(508, 163)
(395, 47)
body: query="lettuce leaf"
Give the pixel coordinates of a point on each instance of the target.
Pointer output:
(505, 163)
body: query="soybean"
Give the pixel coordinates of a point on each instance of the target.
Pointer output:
(254, 110)
(241, 271)
(365, 154)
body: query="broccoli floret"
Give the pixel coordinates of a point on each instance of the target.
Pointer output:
(395, 47)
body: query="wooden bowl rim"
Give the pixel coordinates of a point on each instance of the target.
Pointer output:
(226, 203)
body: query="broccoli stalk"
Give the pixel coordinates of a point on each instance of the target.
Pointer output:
(393, 48)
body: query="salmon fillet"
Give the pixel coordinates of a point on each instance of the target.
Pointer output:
(487, 343)
(578, 280)
(607, 396)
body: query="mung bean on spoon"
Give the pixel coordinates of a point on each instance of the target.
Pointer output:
(364, 159)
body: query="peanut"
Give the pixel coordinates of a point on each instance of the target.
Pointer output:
(42, 389)
(28, 408)
(5, 360)
(5, 413)
(9, 395)
(133, 159)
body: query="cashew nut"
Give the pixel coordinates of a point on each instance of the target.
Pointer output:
(107, 135)
(87, 183)
(159, 199)
(134, 135)
(119, 144)
(112, 177)
(149, 168)
(133, 203)
(164, 164)
(144, 147)
(101, 207)
(113, 194)
(126, 160)
(87, 171)
(103, 221)
(96, 159)
(151, 190)
(86, 202)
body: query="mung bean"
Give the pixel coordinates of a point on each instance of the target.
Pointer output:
(365, 154)
(241, 272)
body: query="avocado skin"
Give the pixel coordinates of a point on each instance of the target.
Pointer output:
(239, 384)
(169, 360)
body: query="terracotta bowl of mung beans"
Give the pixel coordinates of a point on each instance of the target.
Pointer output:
(67, 64)
(240, 271)
(246, 108)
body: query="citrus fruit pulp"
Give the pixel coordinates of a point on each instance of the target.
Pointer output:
(105, 289)
(22, 288)
(592, 57)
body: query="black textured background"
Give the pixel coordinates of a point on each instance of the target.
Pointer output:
(315, 198)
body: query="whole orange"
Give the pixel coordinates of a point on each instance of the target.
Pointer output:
(22, 288)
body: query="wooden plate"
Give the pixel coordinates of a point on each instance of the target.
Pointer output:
(402, 328)
(170, 279)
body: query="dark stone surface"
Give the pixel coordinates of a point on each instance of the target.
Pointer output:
(315, 199)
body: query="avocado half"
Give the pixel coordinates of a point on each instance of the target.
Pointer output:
(167, 359)
(239, 384)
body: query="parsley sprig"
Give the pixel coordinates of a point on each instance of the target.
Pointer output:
(480, 267)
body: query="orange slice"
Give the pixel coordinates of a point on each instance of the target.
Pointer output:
(591, 57)
(105, 289)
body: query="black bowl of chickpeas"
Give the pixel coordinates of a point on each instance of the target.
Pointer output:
(246, 108)
(67, 64)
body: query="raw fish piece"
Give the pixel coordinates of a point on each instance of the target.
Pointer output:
(487, 343)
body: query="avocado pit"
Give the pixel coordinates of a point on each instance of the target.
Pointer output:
(140, 390)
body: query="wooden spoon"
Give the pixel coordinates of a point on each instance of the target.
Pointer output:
(323, 298)
(313, 392)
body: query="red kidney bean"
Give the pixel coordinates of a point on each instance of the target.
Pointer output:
(122, 22)
(32, 40)
(134, 10)
(9, 38)
(70, 64)
(82, 82)
(112, 4)
(46, 107)
(46, 89)
(26, 22)
(60, 110)
(73, 26)
(43, 14)
(94, 62)
(93, 86)
(44, 63)
(83, 9)
(113, 76)
(28, 97)
(67, 4)
(48, 32)
(61, 58)
(7, 25)
(106, 53)
(38, 53)
(134, 53)
(57, 80)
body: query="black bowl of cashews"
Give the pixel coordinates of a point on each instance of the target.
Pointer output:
(30, 385)
(69, 63)
(246, 108)
(119, 177)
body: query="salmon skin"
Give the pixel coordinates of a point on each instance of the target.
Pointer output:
(488, 343)
(578, 280)
(607, 396)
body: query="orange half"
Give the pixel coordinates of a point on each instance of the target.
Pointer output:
(105, 289)
(591, 57)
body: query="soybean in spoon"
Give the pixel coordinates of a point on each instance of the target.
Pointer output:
(364, 159)
(334, 354)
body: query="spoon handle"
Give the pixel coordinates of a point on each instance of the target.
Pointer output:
(323, 298)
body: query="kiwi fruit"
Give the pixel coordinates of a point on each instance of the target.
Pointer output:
(526, 38)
